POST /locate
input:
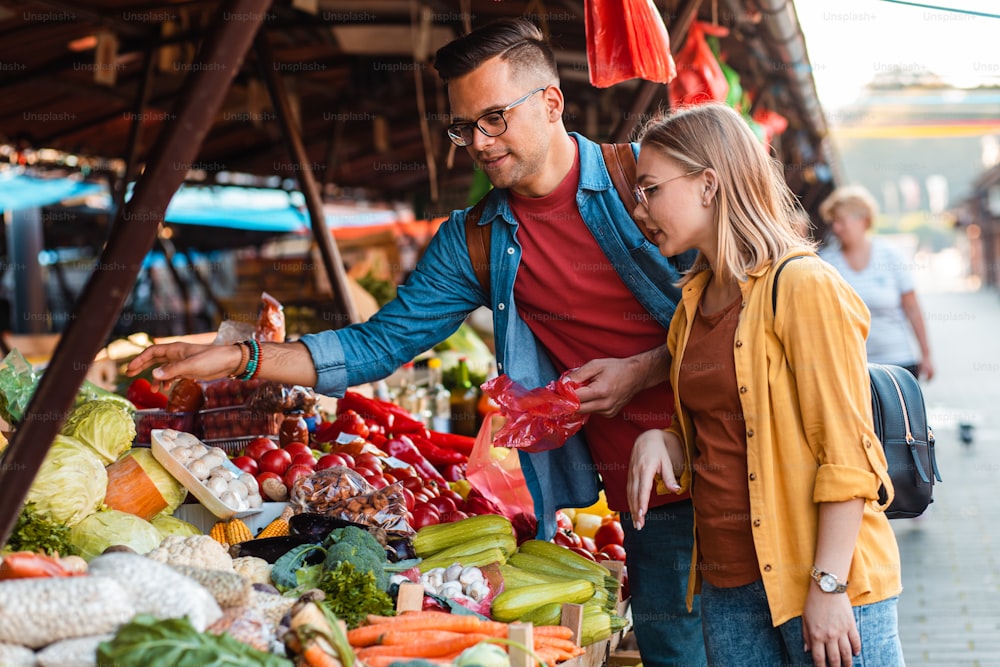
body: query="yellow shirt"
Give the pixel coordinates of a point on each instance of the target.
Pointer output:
(804, 388)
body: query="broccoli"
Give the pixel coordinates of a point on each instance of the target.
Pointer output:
(359, 548)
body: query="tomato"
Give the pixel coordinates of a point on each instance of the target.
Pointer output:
(403, 473)
(330, 460)
(276, 461)
(480, 505)
(367, 460)
(304, 460)
(348, 459)
(609, 532)
(351, 422)
(296, 448)
(295, 472)
(447, 492)
(442, 504)
(563, 522)
(425, 515)
(567, 538)
(246, 464)
(588, 544)
(256, 448)
(452, 516)
(408, 497)
(453, 472)
(378, 481)
(612, 552)
(412, 483)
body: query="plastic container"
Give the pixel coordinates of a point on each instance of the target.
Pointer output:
(238, 421)
(148, 420)
(208, 499)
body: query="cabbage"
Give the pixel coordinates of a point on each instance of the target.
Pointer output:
(483, 654)
(104, 426)
(104, 529)
(172, 491)
(71, 483)
(171, 525)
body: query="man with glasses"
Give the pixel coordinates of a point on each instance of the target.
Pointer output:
(574, 284)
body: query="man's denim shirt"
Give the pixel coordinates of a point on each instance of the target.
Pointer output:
(443, 290)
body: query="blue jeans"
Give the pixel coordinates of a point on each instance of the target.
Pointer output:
(738, 631)
(658, 559)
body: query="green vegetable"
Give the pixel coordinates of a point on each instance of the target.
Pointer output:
(104, 529)
(17, 384)
(105, 427)
(71, 483)
(360, 548)
(283, 574)
(33, 532)
(148, 642)
(352, 594)
(166, 524)
(91, 392)
(483, 654)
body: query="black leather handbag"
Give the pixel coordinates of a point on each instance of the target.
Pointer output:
(900, 422)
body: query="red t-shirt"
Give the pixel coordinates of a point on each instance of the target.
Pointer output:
(570, 296)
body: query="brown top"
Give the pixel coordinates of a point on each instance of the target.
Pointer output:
(708, 391)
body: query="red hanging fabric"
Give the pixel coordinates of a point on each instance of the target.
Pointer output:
(626, 39)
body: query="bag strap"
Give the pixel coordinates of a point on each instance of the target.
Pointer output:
(619, 159)
(774, 283)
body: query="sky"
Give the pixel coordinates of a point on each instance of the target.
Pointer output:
(851, 41)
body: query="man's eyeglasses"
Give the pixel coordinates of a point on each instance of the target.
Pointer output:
(642, 192)
(492, 123)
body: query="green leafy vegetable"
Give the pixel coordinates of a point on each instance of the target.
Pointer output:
(352, 594)
(148, 642)
(105, 427)
(283, 572)
(33, 532)
(71, 483)
(111, 527)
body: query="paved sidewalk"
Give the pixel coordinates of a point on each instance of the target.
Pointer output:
(949, 612)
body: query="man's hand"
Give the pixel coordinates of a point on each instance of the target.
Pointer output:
(289, 363)
(609, 384)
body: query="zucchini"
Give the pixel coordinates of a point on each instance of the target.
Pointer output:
(513, 604)
(515, 577)
(431, 539)
(478, 559)
(506, 543)
(548, 566)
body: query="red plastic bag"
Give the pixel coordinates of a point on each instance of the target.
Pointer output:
(700, 78)
(627, 39)
(496, 472)
(537, 419)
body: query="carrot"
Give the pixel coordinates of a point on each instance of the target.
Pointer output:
(424, 650)
(367, 635)
(549, 656)
(416, 636)
(560, 631)
(564, 645)
(386, 660)
(315, 656)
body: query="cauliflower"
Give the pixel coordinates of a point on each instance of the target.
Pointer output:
(257, 570)
(196, 551)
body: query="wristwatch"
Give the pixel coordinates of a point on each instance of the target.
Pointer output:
(828, 583)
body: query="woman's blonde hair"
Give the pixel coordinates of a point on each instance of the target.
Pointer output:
(753, 199)
(853, 198)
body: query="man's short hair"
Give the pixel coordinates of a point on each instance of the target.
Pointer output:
(517, 41)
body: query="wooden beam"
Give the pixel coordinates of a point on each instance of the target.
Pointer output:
(131, 238)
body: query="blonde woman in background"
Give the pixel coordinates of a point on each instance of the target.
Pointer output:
(881, 277)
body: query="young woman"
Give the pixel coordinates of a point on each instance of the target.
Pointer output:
(795, 562)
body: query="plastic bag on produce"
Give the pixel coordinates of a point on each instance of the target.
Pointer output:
(537, 419)
(627, 39)
(277, 397)
(496, 472)
(700, 78)
(271, 321)
(233, 331)
(342, 493)
(17, 384)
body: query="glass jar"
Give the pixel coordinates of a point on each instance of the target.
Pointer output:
(293, 429)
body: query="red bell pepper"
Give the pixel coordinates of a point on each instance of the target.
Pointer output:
(141, 393)
(402, 448)
(460, 443)
(438, 456)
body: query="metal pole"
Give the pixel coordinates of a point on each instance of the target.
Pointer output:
(132, 236)
(332, 262)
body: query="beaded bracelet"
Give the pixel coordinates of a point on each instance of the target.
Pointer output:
(251, 369)
(244, 357)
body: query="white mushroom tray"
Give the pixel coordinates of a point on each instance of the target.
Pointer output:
(204, 495)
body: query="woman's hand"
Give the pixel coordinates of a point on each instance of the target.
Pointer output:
(653, 455)
(828, 628)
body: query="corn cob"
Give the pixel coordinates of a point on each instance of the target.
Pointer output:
(237, 531)
(478, 559)
(218, 533)
(511, 605)
(431, 539)
(277, 528)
